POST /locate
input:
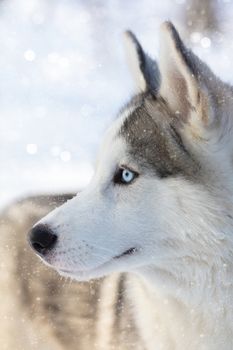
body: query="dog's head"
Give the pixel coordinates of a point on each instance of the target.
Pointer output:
(159, 184)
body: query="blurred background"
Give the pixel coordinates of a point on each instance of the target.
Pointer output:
(63, 77)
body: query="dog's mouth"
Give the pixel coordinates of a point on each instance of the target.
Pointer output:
(128, 252)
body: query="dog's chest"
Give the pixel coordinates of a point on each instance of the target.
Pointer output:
(165, 324)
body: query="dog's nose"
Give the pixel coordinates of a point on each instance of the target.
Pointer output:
(42, 238)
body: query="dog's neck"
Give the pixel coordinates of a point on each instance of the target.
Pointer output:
(197, 313)
(189, 297)
(199, 267)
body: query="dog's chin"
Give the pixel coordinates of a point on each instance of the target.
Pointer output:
(115, 264)
(82, 276)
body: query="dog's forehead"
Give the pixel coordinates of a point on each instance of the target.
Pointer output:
(113, 147)
(114, 135)
(145, 133)
(148, 128)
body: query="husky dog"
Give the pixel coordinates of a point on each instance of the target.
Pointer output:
(159, 210)
(160, 204)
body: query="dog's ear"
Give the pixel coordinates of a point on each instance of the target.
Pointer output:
(187, 84)
(145, 70)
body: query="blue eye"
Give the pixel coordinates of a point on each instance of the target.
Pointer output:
(127, 176)
(124, 176)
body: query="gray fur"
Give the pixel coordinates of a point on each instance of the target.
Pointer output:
(152, 134)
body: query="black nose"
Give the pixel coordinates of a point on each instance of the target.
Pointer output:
(42, 239)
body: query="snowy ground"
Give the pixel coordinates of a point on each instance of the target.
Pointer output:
(63, 77)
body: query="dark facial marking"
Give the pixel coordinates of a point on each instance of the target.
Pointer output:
(154, 141)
